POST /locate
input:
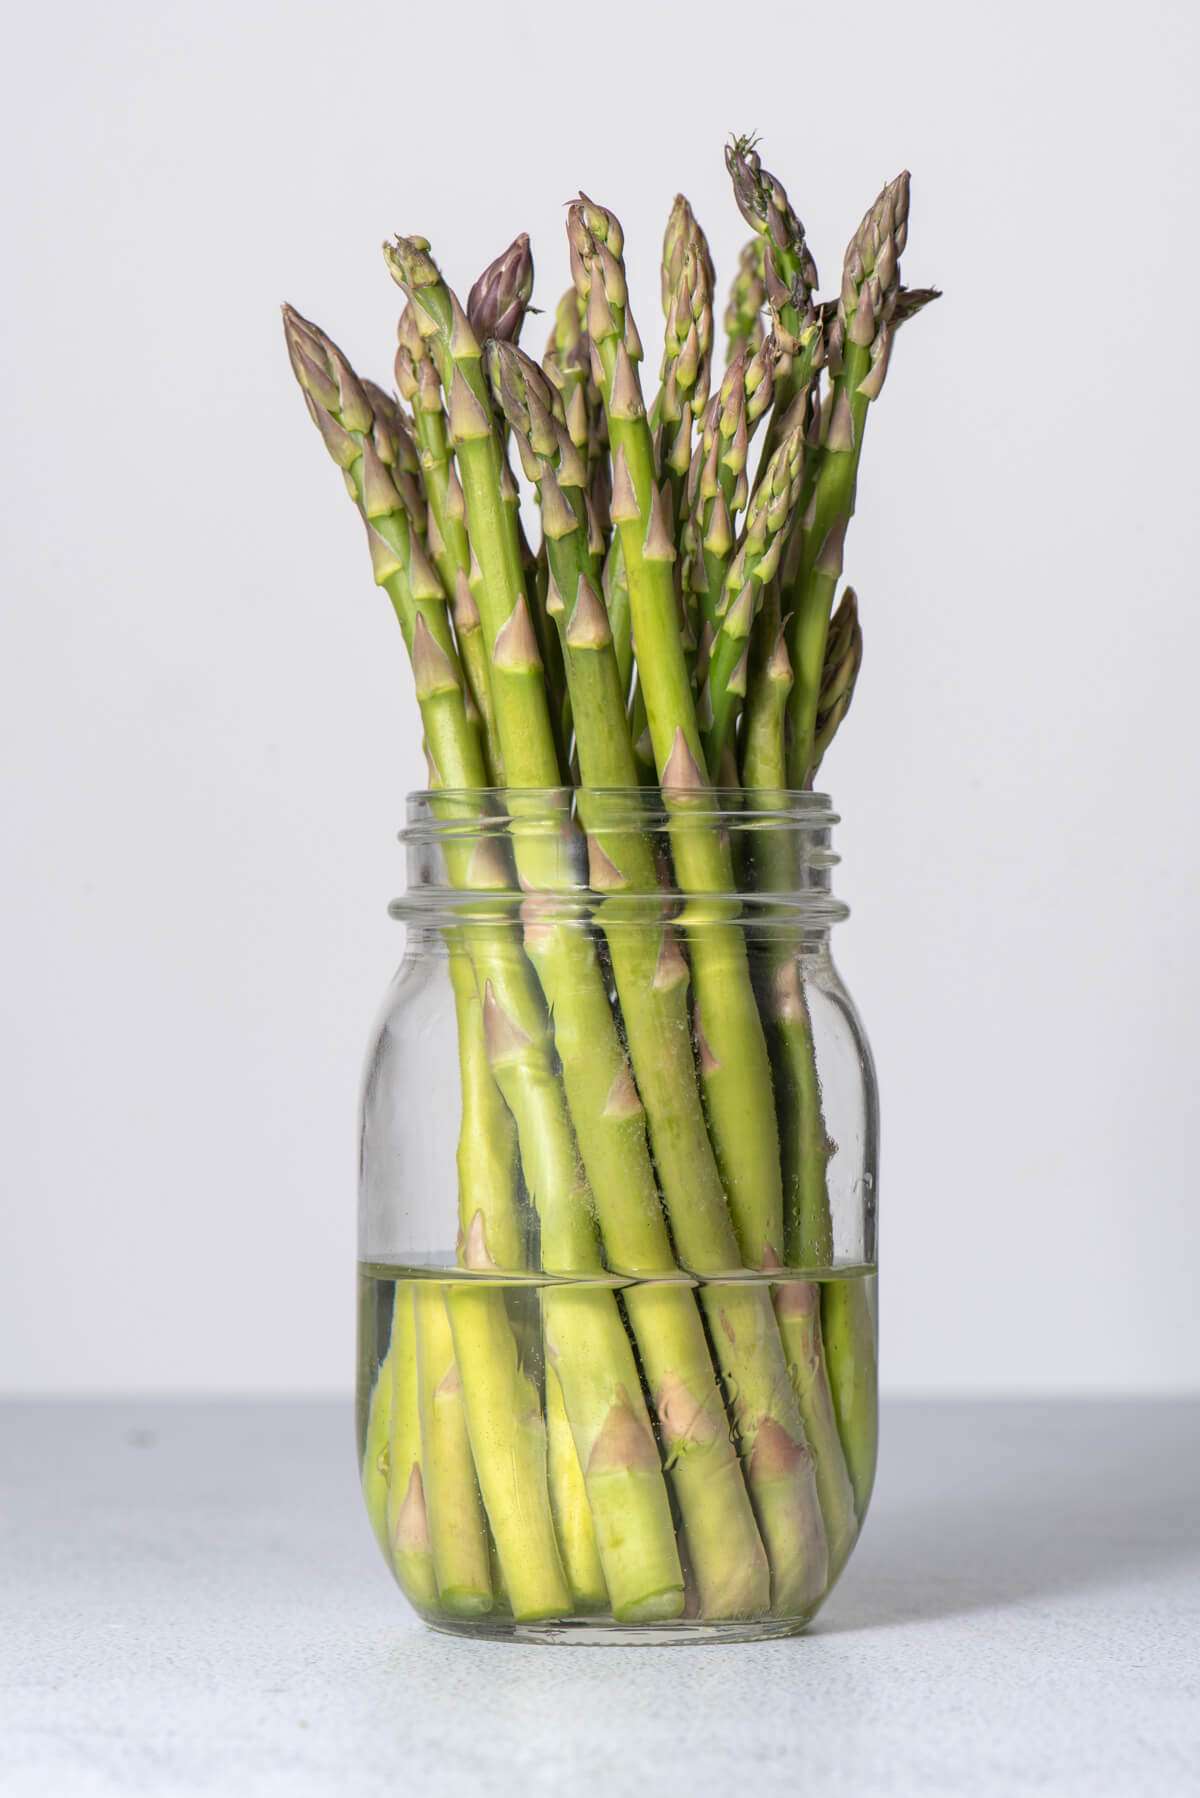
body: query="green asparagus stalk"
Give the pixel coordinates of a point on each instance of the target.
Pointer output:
(839, 1350)
(798, 1309)
(507, 1434)
(828, 1331)
(744, 327)
(733, 1055)
(682, 237)
(392, 439)
(407, 1519)
(859, 351)
(762, 754)
(503, 1411)
(491, 1229)
(718, 483)
(805, 1151)
(847, 1336)
(615, 589)
(860, 341)
(805, 1148)
(457, 1531)
(755, 564)
(339, 407)
(569, 1501)
(789, 278)
(686, 371)
(416, 377)
(851, 1355)
(567, 363)
(843, 660)
(523, 716)
(513, 1462)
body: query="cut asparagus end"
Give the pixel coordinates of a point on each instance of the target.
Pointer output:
(655, 1607)
(466, 1601)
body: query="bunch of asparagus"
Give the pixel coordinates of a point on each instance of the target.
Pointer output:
(651, 1091)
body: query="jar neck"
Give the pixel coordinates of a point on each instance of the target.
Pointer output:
(761, 859)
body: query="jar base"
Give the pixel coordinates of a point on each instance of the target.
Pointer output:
(598, 1632)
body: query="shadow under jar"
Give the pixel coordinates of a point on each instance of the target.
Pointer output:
(617, 1337)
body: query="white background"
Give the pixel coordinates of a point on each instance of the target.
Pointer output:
(208, 724)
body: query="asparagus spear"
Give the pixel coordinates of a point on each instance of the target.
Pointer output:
(681, 237)
(851, 1355)
(848, 1334)
(499, 300)
(615, 589)
(834, 1351)
(732, 1048)
(755, 564)
(869, 308)
(416, 377)
(407, 1516)
(569, 1502)
(789, 276)
(686, 371)
(567, 363)
(762, 755)
(392, 440)
(843, 660)
(798, 1308)
(718, 482)
(496, 308)
(503, 1411)
(744, 327)
(803, 1308)
(859, 351)
(458, 1534)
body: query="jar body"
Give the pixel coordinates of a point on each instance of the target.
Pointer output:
(617, 1342)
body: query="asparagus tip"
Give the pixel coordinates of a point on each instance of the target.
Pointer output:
(499, 300)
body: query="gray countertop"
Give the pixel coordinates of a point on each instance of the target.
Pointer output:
(191, 1602)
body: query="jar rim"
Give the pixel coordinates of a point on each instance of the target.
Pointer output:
(435, 813)
(506, 852)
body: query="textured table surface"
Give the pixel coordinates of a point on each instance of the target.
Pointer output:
(190, 1602)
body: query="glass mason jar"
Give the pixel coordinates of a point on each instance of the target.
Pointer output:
(617, 1339)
